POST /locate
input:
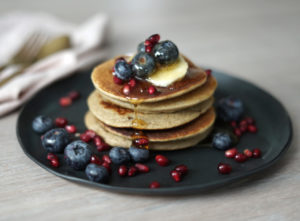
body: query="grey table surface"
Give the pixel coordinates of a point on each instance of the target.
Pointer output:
(256, 40)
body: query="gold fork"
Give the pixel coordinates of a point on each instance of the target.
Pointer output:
(26, 55)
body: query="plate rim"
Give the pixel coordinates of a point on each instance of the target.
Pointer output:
(187, 189)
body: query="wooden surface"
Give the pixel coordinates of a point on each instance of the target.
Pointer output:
(255, 40)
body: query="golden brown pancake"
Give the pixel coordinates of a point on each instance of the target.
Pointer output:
(102, 79)
(117, 116)
(112, 139)
(171, 105)
(193, 128)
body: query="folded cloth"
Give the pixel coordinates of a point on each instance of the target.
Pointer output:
(87, 42)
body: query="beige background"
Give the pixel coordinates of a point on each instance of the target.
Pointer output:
(256, 40)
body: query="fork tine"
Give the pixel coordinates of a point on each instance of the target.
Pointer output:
(35, 47)
(18, 57)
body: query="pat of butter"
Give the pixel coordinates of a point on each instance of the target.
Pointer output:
(166, 75)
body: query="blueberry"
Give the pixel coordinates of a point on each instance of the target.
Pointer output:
(165, 52)
(42, 124)
(96, 173)
(55, 140)
(138, 154)
(119, 155)
(78, 154)
(123, 70)
(141, 47)
(230, 109)
(222, 141)
(143, 64)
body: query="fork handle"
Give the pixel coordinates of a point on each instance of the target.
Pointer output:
(17, 73)
(2, 67)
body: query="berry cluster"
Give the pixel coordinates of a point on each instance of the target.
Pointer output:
(150, 54)
(69, 99)
(247, 124)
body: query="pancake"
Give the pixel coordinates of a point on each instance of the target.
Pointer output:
(193, 128)
(171, 105)
(116, 116)
(102, 79)
(92, 123)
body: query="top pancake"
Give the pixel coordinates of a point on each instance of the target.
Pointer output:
(102, 79)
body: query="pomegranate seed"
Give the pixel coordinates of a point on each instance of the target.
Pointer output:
(132, 82)
(249, 120)
(61, 122)
(231, 153)
(256, 153)
(96, 160)
(119, 59)
(106, 159)
(243, 128)
(103, 147)
(154, 38)
(148, 48)
(84, 137)
(151, 90)
(208, 72)
(54, 162)
(107, 166)
(240, 157)
(154, 185)
(233, 124)
(71, 129)
(248, 153)
(122, 170)
(224, 168)
(132, 171)
(98, 140)
(243, 123)
(51, 156)
(65, 101)
(176, 175)
(126, 89)
(162, 160)
(252, 128)
(117, 80)
(141, 141)
(142, 168)
(183, 169)
(74, 95)
(148, 43)
(237, 132)
(90, 133)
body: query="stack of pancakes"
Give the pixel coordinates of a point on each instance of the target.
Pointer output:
(174, 117)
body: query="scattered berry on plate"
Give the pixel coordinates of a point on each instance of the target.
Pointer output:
(224, 168)
(61, 122)
(222, 141)
(74, 95)
(85, 137)
(183, 169)
(252, 128)
(119, 155)
(71, 128)
(165, 52)
(240, 157)
(132, 171)
(230, 109)
(56, 140)
(256, 153)
(78, 154)
(248, 153)
(176, 175)
(106, 159)
(96, 173)
(65, 101)
(142, 167)
(139, 154)
(154, 185)
(143, 64)
(122, 171)
(95, 160)
(230, 153)
(162, 160)
(42, 124)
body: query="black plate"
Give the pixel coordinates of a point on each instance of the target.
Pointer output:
(273, 138)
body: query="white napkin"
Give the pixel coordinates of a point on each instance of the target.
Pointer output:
(16, 27)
